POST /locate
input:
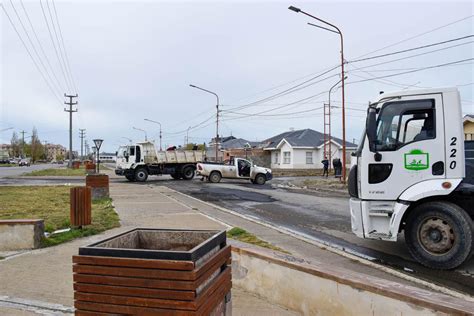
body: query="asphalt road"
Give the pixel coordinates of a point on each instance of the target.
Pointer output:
(323, 217)
(16, 171)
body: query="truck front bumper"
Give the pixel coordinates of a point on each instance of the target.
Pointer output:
(124, 172)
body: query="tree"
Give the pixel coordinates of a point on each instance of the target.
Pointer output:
(15, 145)
(36, 148)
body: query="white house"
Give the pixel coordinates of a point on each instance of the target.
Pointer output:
(303, 149)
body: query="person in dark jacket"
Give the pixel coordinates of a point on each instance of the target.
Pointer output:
(325, 163)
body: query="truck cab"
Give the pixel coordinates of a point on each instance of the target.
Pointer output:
(410, 175)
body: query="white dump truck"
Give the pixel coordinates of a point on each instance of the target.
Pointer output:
(415, 173)
(237, 168)
(136, 162)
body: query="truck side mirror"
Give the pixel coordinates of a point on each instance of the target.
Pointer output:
(371, 128)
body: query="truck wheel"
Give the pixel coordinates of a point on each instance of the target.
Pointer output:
(130, 178)
(215, 177)
(439, 235)
(260, 179)
(141, 175)
(188, 173)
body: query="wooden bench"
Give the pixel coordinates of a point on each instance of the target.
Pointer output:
(18, 234)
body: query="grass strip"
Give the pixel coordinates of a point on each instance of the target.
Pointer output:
(242, 235)
(51, 203)
(65, 172)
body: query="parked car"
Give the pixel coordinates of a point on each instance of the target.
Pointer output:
(237, 168)
(24, 162)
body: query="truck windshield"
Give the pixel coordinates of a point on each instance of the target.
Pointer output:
(121, 152)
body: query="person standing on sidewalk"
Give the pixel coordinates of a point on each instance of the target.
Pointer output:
(325, 163)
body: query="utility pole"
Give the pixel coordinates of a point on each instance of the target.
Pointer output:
(217, 116)
(82, 135)
(70, 103)
(327, 132)
(23, 143)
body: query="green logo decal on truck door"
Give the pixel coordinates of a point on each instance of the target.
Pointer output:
(417, 160)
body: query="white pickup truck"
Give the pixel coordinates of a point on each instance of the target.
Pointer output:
(237, 168)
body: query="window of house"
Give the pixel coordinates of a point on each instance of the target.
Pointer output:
(405, 122)
(276, 158)
(286, 157)
(309, 157)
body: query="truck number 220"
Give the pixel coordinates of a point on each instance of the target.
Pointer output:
(452, 164)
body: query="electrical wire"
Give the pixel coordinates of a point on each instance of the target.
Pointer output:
(292, 89)
(411, 71)
(415, 36)
(410, 49)
(33, 47)
(64, 48)
(29, 53)
(416, 55)
(54, 45)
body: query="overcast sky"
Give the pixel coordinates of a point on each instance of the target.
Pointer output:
(135, 59)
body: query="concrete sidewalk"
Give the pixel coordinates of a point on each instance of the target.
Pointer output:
(40, 281)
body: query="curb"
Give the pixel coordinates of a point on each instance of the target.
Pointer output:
(340, 252)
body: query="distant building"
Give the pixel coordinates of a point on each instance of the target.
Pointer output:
(54, 152)
(239, 147)
(107, 157)
(468, 124)
(303, 149)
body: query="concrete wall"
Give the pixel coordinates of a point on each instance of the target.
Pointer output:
(323, 290)
(20, 234)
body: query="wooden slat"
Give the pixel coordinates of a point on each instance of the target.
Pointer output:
(138, 282)
(134, 263)
(129, 310)
(134, 272)
(214, 300)
(79, 312)
(221, 256)
(221, 281)
(134, 291)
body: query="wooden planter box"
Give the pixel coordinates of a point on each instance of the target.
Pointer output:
(99, 183)
(154, 272)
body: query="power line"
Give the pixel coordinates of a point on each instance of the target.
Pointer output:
(279, 114)
(416, 36)
(411, 49)
(64, 48)
(34, 48)
(412, 56)
(29, 53)
(59, 43)
(41, 46)
(411, 71)
(54, 45)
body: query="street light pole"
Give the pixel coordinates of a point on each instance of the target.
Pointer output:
(329, 119)
(129, 139)
(217, 117)
(139, 129)
(338, 31)
(187, 136)
(160, 129)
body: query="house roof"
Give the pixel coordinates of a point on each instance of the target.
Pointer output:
(238, 143)
(468, 118)
(302, 138)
